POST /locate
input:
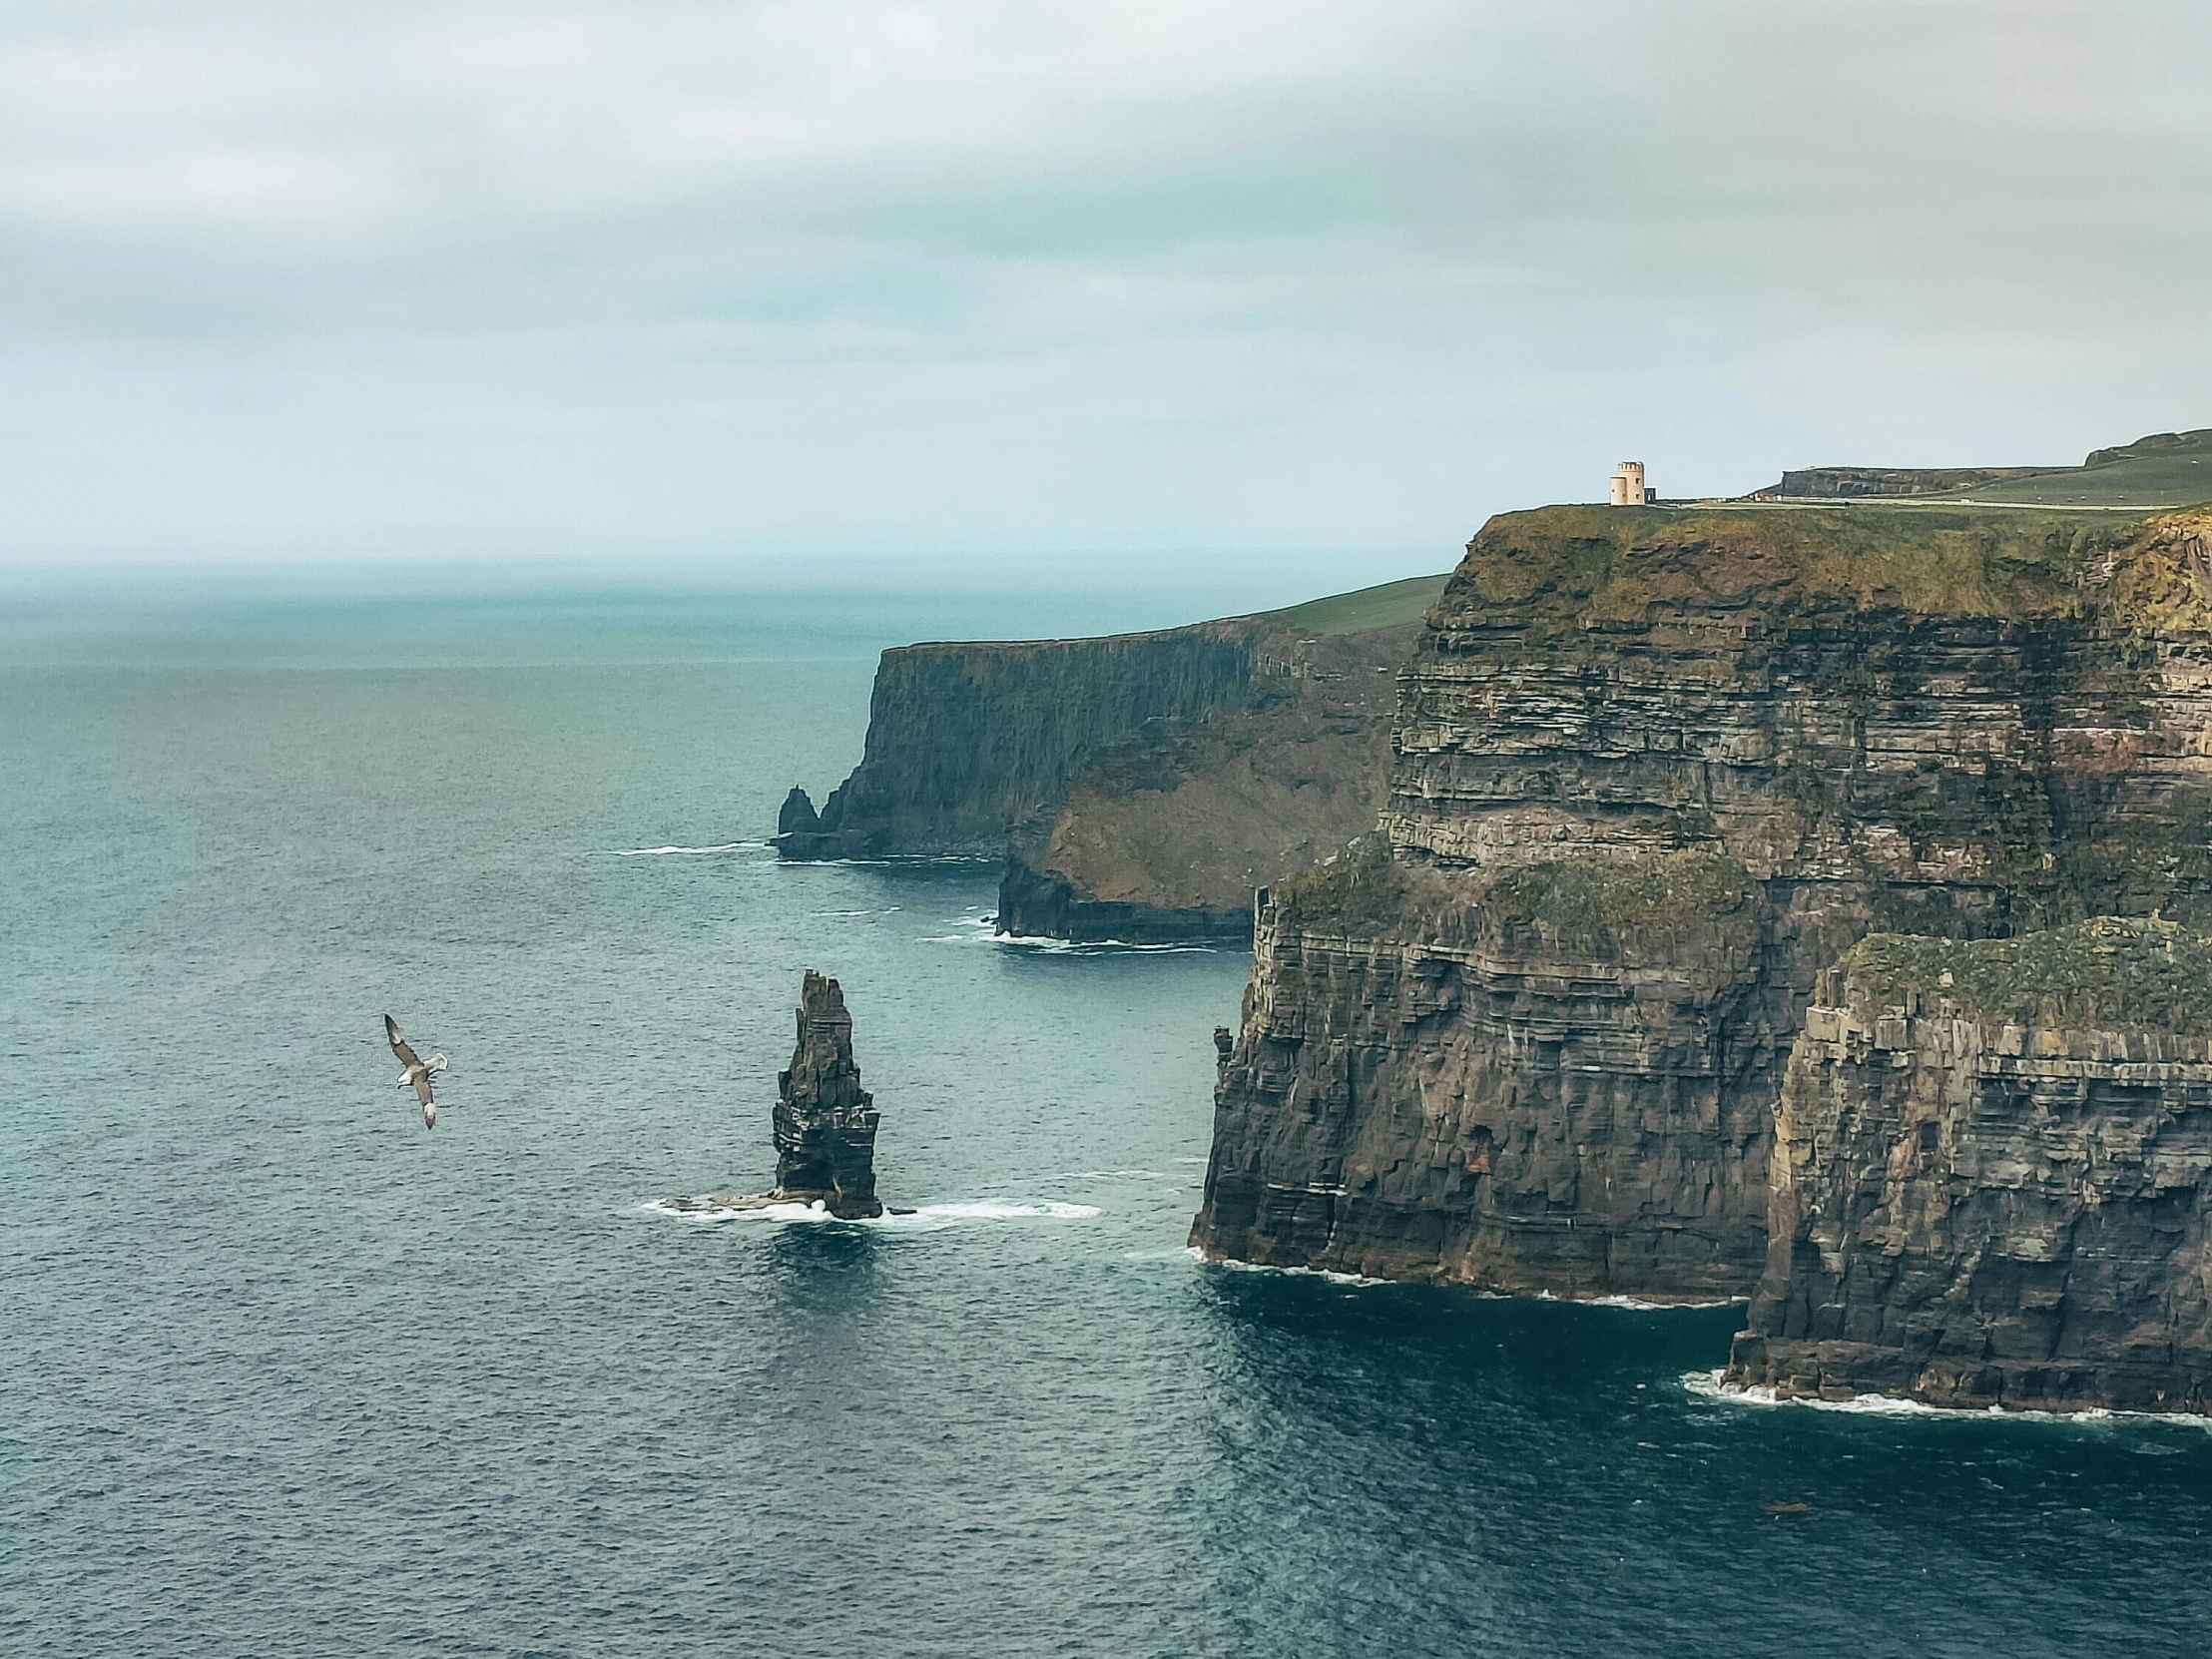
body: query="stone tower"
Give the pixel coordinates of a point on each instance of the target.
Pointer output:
(1628, 485)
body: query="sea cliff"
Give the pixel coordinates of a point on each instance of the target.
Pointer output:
(1137, 787)
(1653, 770)
(1992, 1182)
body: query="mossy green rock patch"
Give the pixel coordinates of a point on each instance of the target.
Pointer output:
(1584, 566)
(2110, 972)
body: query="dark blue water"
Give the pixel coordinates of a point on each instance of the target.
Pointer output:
(281, 1374)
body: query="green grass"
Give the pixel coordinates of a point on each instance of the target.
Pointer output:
(2139, 475)
(2116, 972)
(1576, 566)
(1590, 894)
(1366, 609)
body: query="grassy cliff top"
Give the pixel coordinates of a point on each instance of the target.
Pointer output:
(2110, 972)
(1578, 565)
(1387, 606)
(1361, 611)
(2167, 470)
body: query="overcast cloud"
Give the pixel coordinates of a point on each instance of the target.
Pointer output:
(344, 279)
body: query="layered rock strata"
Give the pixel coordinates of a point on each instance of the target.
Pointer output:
(1542, 1082)
(1992, 1182)
(1652, 771)
(825, 1121)
(967, 743)
(1829, 483)
(1136, 788)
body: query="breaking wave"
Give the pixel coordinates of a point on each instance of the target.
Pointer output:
(1707, 1384)
(1336, 1277)
(1328, 1273)
(922, 1217)
(979, 929)
(1095, 948)
(662, 852)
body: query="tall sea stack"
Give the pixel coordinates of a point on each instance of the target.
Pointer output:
(825, 1121)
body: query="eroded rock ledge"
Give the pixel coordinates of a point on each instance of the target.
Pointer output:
(1994, 1177)
(1653, 770)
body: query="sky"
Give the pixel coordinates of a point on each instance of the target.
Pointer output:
(1218, 279)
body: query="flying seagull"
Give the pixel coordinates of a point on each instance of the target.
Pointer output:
(417, 1074)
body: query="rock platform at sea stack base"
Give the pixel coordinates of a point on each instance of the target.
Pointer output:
(825, 1122)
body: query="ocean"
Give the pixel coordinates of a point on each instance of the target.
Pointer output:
(283, 1374)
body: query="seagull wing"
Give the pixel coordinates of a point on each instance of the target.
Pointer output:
(407, 1056)
(422, 1093)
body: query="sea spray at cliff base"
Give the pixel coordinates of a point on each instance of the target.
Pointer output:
(921, 1217)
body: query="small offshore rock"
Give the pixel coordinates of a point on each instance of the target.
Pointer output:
(798, 814)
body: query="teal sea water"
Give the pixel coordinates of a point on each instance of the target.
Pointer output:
(281, 1373)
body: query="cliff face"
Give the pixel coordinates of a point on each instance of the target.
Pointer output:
(1167, 833)
(1541, 1082)
(1138, 788)
(1993, 1184)
(825, 1121)
(1842, 482)
(969, 743)
(1502, 1046)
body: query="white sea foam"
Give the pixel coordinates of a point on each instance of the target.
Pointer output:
(664, 852)
(1016, 941)
(924, 1218)
(1707, 1384)
(771, 1211)
(887, 911)
(1234, 1266)
(1487, 1295)
(901, 863)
